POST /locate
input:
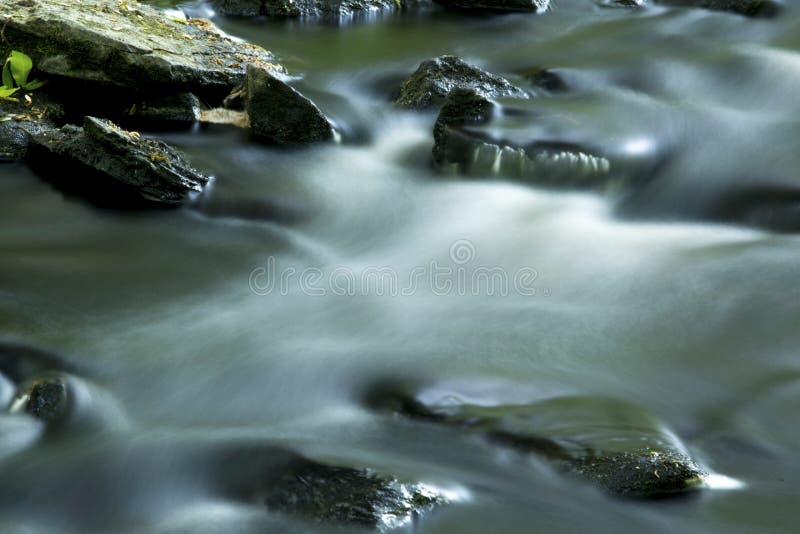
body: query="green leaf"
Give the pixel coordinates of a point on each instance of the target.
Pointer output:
(21, 66)
(6, 92)
(8, 79)
(32, 86)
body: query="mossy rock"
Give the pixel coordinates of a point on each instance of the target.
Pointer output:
(109, 161)
(128, 44)
(435, 79)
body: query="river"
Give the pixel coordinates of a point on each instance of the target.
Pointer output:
(653, 298)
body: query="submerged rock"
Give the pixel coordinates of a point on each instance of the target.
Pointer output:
(307, 8)
(452, 143)
(536, 6)
(279, 114)
(750, 8)
(615, 444)
(546, 79)
(435, 79)
(118, 162)
(469, 142)
(125, 43)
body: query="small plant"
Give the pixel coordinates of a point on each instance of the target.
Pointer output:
(15, 76)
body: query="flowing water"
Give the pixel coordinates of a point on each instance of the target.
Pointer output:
(304, 276)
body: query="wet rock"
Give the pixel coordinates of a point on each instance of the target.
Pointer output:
(452, 143)
(280, 114)
(179, 109)
(750, 8)
(67, 403)
(116, 162)
(20, 120)
(346, 496)
(435, 79)
(307, 8)
(612, 443)
(536, 6)
(45, 399)
(125, 43)
(468, 142)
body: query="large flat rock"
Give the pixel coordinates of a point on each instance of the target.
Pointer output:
(124, 43)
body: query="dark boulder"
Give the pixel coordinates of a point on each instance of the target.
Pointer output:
(107, 159)
(279, 114)
(536, 6)
(436, 78)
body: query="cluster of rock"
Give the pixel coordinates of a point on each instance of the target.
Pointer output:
(121, 60)
(43, 401)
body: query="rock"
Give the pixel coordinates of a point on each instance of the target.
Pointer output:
(610, 442)
(467, 142)
(182, 108)
(280, 114)
(65, 402)
(545, 79)
(536, 6)
(436, 78)
(750, 8)
(452, 144)
(45, 399)
(342, 495)
(18, 121)
(128, 44)
(307, 8)
(118, 162)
